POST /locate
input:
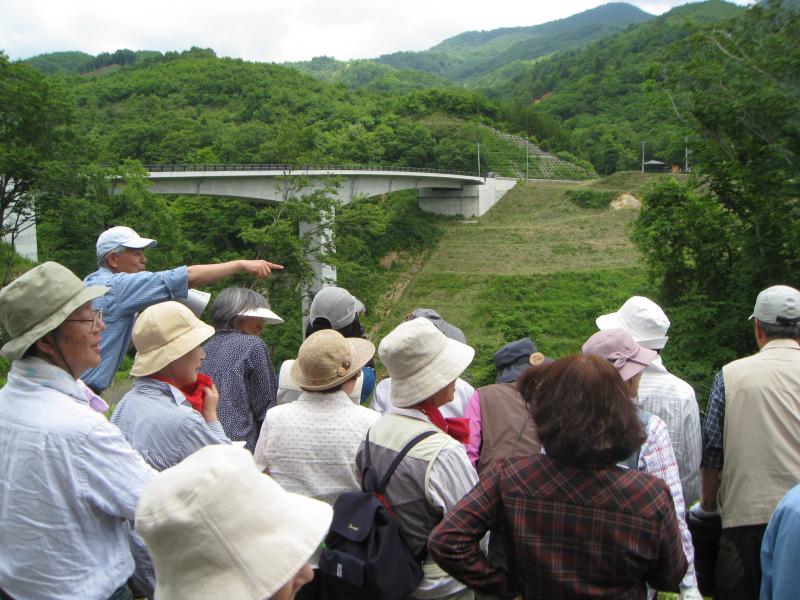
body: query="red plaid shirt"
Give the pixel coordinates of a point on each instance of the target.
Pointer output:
(568, 532)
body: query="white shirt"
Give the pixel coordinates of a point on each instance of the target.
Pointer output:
(69, 480)
(309, 446)
(382, 401)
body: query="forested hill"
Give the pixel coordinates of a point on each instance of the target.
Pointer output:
(466, 57)
(475, 53)
(201, 108)
(603, 100)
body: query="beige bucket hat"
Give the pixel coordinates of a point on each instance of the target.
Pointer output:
(164, 332)
(39, 301)
(327, 359)
(421, 360)
(216, 527)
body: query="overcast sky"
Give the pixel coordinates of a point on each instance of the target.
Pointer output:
(266, 30)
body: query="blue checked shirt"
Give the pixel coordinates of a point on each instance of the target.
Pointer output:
(161, 425)
(129, 293)
(715, 420)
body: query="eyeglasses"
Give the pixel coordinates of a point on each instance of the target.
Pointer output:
(97, 316)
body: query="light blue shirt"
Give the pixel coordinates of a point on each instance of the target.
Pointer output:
(69, 480)
(161, 425)
(780, 551)
(128, 294)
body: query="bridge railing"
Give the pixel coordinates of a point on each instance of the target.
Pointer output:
(171, 168)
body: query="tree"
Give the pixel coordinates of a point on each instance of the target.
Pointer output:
(36, 120)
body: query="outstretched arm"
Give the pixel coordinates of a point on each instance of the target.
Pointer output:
(200, 275)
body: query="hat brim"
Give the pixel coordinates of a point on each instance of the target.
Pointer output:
(15, 348)
(612, 321)
(639, 363)
(138, 243)
(361, 351)
(266, 314)
(152, 361)
(445, 367)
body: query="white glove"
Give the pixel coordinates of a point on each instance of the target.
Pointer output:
(691, 593)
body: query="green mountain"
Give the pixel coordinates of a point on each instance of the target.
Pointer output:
(474, 53)
(602, 101)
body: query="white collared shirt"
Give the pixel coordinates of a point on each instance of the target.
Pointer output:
(69, 480)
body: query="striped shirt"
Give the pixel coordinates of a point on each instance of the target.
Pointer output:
(657, 458)
(161, 425)
(674, 402)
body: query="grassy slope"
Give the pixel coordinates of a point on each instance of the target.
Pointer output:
(535, 265)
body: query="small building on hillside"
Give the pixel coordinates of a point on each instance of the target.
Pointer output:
(654, 166)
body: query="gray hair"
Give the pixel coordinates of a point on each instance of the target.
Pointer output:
(102, 262)
(778, 331)
(232, 301)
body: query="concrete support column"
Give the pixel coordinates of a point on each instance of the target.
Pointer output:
(321, 242)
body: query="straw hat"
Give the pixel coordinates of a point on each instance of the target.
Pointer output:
(619, 348)
(421, 360)
(327, 359)
(216, 527)
(39, 301)
(164, 332)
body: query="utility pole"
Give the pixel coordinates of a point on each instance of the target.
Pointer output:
(642, 156)
(479, 159)
(527, 145)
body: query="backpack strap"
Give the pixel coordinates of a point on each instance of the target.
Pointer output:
(370, 484)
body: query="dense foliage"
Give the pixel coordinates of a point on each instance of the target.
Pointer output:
(601, 102)
(714, 244)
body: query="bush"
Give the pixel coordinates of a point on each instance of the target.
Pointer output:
(591, 198)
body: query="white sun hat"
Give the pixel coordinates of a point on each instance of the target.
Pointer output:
(421, 360)
(642, 318)
(216, 527)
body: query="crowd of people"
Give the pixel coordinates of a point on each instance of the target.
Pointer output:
(584, 476)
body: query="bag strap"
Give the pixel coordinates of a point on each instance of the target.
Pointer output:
(369, 481)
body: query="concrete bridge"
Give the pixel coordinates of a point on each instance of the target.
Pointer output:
(438, 191)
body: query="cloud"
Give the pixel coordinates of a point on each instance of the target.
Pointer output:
(267, 30)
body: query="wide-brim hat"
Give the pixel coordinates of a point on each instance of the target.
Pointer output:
(327, 359)
(39, 301)
(269, 317)
(618, 347)
(215, 527)
(163, 333)
(421, 361)
(642, 318)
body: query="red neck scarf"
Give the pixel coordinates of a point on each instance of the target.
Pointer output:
(458, 429)
(193, 392)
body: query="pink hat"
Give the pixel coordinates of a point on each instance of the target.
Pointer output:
(619, 348)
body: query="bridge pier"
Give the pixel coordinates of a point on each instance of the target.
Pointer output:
(321, 242)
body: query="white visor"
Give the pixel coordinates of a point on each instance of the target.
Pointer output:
(262, 313)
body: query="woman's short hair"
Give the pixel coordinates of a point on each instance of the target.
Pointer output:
(231, 302)
(582, 410)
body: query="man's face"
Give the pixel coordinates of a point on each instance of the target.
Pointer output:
(130, 260)
(77, 342)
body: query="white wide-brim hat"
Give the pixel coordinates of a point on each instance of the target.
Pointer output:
(163, 333)
(642, 318)
(421, 361)
(216, 527)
